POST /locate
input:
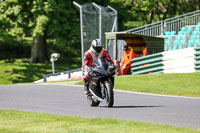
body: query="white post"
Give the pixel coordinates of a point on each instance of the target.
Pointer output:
(53, 68)
(54, 57)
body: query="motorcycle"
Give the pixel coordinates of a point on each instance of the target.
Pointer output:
(102, 83)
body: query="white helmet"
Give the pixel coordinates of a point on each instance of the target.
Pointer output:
(97, 46)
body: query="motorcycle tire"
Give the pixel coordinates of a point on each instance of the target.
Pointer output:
(109, 95)
(91, 102)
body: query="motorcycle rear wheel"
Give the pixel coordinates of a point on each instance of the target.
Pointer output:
(109, 95)
(91, 102)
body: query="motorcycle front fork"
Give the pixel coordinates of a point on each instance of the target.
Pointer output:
(103, 87)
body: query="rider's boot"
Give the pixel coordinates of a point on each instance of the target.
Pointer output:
(86, 88)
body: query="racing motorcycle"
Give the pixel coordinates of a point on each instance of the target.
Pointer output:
(102, 83)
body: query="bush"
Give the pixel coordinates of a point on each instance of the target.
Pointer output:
(14, 49)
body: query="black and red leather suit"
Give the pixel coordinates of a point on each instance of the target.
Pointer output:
(89, 57)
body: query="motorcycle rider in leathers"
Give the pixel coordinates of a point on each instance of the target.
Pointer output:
(96, 50)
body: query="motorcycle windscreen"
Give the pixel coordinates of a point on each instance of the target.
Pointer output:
(103, 62)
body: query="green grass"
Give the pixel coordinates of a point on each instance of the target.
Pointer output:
(18, 122)
(21, 71)
(184, 84)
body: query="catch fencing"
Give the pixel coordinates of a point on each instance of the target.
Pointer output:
(95, 20)
(178, 61)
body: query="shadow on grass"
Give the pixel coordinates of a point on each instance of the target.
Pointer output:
(29, 74)
(32, 72)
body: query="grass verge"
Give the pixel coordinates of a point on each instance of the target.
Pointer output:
(21, 71)
(180, 84)
(17, 122)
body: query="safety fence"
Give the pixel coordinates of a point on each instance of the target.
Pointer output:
(95, 20)
(178, 61)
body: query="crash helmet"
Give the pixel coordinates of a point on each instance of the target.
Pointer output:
(125, 47)
(96, 46)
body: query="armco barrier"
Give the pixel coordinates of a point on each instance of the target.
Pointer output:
(146, 64)
(150, 59)
(66, 75)
(178, 61)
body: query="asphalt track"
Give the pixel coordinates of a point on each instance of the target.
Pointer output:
(70, 100)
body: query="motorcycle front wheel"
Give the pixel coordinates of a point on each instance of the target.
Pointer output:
(109, 95)
(91, 101)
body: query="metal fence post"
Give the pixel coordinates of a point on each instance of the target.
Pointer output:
(115, 27)
(81, 25)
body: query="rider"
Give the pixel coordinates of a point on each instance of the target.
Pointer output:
(96, 50)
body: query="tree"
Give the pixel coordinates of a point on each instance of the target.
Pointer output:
(40, 11)
(143, 12)
(58, 20)
(40, 19)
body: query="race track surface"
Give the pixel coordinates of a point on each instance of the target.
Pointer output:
(70, 100)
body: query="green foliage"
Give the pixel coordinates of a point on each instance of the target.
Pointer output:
(15, 49)
(18, 121)
(55, 20)
(141, 12)
(41, 23)
(59, 20)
